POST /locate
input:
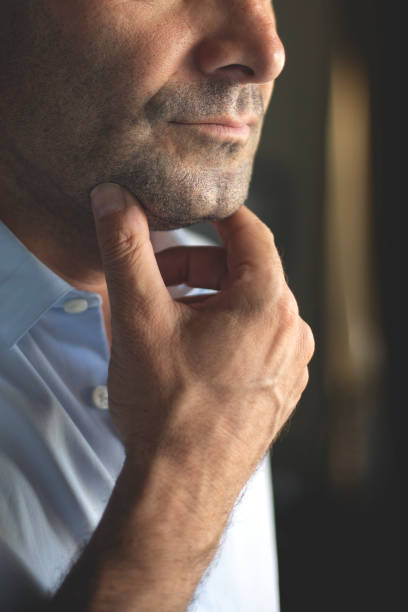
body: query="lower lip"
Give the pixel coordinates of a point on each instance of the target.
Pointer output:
(221, 131)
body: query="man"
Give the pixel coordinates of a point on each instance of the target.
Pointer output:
(151, 110)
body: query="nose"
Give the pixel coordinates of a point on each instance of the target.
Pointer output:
(242, 42)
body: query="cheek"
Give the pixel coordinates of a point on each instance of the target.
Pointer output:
(152, 55)
(139, 44)
(71, 14)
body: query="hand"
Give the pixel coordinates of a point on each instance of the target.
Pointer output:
(202, 387)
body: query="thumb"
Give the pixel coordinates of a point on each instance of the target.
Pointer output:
(134, 282)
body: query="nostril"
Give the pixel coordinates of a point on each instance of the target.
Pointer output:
(241, 67)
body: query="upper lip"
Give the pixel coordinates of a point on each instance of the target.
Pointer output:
(225, 121)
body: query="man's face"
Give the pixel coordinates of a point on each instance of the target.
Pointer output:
(165, 97)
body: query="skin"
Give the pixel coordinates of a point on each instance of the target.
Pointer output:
(97, 91)
(106, 90)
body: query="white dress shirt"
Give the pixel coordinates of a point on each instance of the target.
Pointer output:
(60, 455)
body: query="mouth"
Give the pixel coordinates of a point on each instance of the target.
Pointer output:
(226, 130)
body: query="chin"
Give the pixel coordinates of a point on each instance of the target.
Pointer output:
(164, 223)
(173, 200)
(157, 224)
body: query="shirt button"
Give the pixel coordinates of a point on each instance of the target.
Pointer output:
(100, 397)
(76, 306)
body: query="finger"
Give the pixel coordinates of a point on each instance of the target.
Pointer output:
(251, 251)
(200, 266)
(196, 300)
(132, 274)
(298, 389)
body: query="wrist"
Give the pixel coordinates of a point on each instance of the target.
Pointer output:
(164, 499)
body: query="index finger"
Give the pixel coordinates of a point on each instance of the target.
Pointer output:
(251, 251)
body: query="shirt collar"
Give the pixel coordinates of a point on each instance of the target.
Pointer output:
(27, 288)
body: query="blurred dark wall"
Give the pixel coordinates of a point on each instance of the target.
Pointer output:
(288, 194)
(338, 546)
(339, 535)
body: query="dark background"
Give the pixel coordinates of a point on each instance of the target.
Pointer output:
(339, 466)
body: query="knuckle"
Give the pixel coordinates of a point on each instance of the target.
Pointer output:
(244, 271)
(289, 318)
(120, 246)
(308, 342)
(288, 311)
(305, 379)
(300, 386)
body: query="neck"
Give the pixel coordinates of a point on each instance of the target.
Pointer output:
(72, 255)
(61, 236)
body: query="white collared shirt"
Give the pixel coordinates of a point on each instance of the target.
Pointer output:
(60, 455)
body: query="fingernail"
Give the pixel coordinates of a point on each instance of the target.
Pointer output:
(107, 198)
